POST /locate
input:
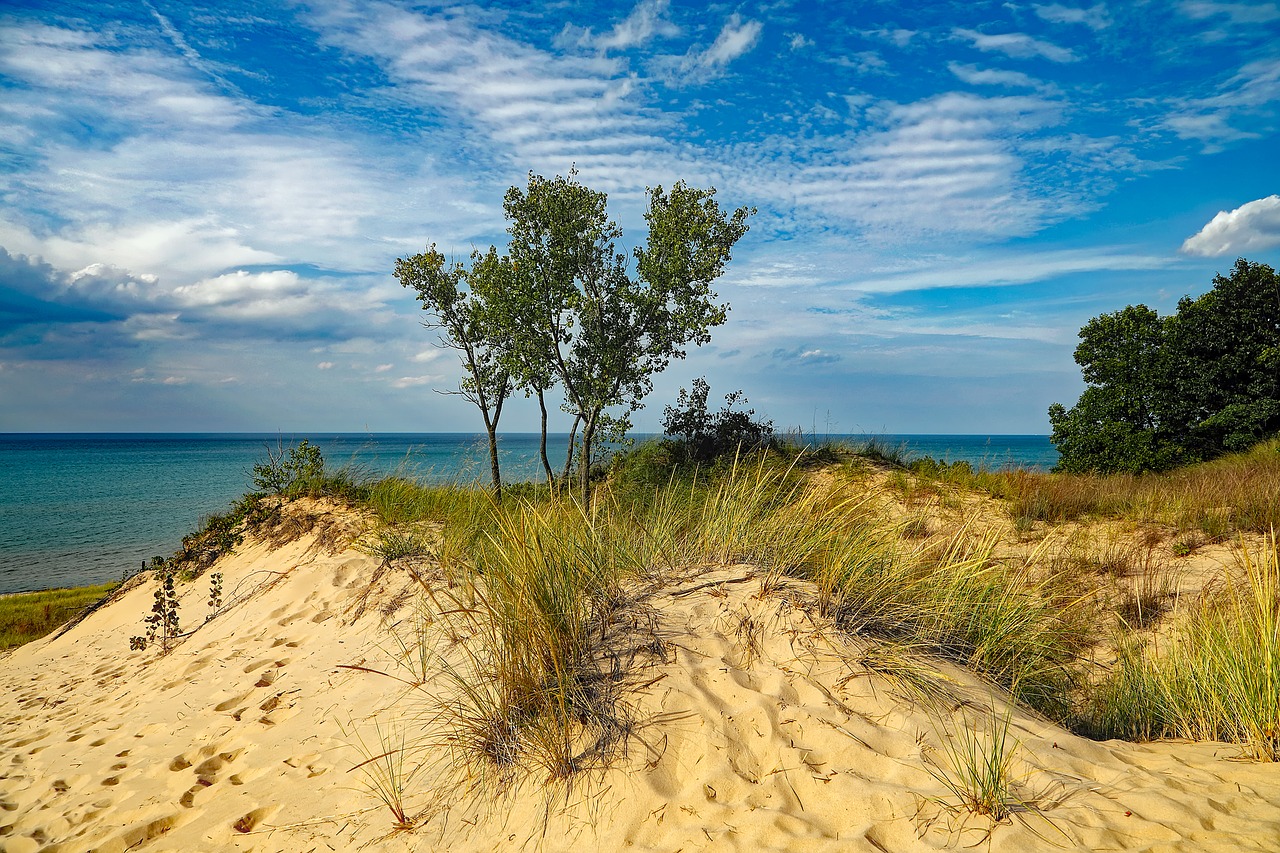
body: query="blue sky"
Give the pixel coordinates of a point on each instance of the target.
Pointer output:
(202, 204)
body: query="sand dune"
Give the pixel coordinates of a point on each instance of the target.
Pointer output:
(756, 727)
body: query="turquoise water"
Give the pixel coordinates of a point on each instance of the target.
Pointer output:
(83, 508)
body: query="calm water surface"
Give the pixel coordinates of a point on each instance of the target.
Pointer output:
(83, 508)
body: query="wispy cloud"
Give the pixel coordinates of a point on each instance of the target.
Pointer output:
(1243, 107)
(736, 38)
(974, 75)
(1094, 17)
(1251, 227)
(648, 20)
(1238, 14)
(1012, 269)
(1016, 45)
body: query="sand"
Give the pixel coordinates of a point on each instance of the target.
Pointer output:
(758, 727)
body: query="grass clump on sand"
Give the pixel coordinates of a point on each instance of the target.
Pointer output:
(29, 616)
(531, 692)
(1214, 676)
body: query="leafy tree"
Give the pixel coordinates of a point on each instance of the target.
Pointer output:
(703, 435)
(1183, 388)
(605, 332)
(452, 295)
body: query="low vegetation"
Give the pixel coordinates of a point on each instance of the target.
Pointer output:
(29, 616)
(527, 602)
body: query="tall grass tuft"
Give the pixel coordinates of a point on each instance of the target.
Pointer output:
(1217, 677)
(977, 768)
(531, 692)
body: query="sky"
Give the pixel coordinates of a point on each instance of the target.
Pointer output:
(202, 205)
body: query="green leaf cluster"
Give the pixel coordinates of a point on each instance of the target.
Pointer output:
(1167, 391)
(700, 435)
(565, 309)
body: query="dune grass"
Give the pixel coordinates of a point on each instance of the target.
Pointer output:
(1214, 676)
(529, 685)
(1239, 492)
(29, 616)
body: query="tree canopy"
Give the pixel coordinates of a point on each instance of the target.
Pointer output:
(453, 295)
(1166, 391)
(564, 308)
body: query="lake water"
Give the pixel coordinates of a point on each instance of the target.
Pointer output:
(86, 508)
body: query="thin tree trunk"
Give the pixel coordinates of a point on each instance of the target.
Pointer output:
(493, 463)
(542, 446)
(584, 461)
(491, 425)
(568, 457)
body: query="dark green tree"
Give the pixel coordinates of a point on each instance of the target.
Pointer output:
(701, 435)
(452, 294)
(1183, 388)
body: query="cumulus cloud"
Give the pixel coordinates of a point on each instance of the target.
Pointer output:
(1250, 227)
(1016, 45)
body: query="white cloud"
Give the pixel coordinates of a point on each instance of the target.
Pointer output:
(325, 365)
(1251, 227)
(1239, 14)
(798, 41)
(736, 38)
(1250, 93)
(944, 165)
(1017, 45)
(984, 271)
(1094, 17)
(976, 76)
(415, 381)
(647, 20)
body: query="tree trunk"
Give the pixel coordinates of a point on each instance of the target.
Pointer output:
(584, 461)
(542, 446)
(493, 462)
(491, 426)
(568, 457)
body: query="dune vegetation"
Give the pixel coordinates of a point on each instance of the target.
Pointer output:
(1091, 628)
(522, 642)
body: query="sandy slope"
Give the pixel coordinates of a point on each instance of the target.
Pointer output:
(757, 729)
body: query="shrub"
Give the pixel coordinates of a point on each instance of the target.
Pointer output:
(289, 470)
(701, 435)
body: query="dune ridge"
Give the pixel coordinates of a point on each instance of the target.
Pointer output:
(755, 726)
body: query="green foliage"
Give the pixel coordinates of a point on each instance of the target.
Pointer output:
(458, 303)
(163, 622)
(1191, 386)
(289, 471)
(701, 435)
(606, 332)
(29, 616)
(219, 534)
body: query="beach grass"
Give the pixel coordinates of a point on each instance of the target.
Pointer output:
(29, 616)
(1213, 500)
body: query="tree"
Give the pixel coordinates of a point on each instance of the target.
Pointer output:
(702, 435)
(605, 332)
(1183, 388)
(452, 295)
